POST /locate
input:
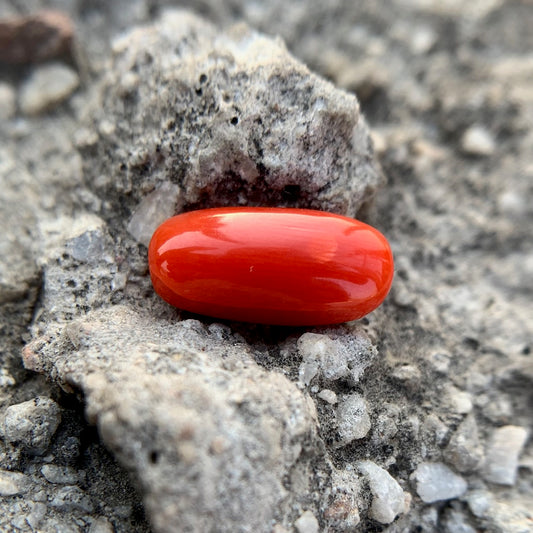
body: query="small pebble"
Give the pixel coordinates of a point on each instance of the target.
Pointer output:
(47, 87)
(503, 451)
(307, 523)
(477, 140)
(32, 423)
(440, 361)
(344, 357)
(388, 497)
(422, 39)
(353, 421)
(60, 474)
(72, 498)
(13, 483)
(460, 402)
(407, 374)
(464, 451)
(36, 515)
(436, 482)
(328, 396)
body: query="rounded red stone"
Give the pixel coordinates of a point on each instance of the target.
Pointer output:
(271, 265)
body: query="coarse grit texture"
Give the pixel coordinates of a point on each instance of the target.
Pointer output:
(119, 413)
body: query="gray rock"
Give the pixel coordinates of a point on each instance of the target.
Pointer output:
(464, 451)
(436, 482)
(47, 87)
(72, 498)
(230, 118)
(31, 424)
(353, 420)
(228, 430)
(334, 355)
(328, 396)
(388, 497)
(503, 451)
(60, 474)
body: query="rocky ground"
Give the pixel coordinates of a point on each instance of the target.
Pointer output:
(120, 414)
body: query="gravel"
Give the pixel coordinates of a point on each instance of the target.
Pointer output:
(171, 421)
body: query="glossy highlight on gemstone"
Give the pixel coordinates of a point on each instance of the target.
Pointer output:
(276, 266)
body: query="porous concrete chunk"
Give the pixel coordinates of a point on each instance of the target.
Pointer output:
(388, 497)
(230, 118)
(46, 87)
(464, 451)
(13, 483)
(503, 451)
(307, 523)
(31, 424)
(210, 435)
(436, 482)
(353, 420)
(334, 356)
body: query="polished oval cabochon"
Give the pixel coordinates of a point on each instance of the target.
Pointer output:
(271, 265)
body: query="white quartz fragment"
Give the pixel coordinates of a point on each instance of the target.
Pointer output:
(436, 482)
(503, 451)
(388, 497)
(307, 523)
(353, 421)
(152, 211)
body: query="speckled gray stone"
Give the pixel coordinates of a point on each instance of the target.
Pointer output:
(190, 407)
(31, 424)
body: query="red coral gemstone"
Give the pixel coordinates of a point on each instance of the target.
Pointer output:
(271, 265)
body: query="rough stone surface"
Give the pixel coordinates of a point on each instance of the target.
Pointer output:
(84, 183)
(210, 417)
(229, 118)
